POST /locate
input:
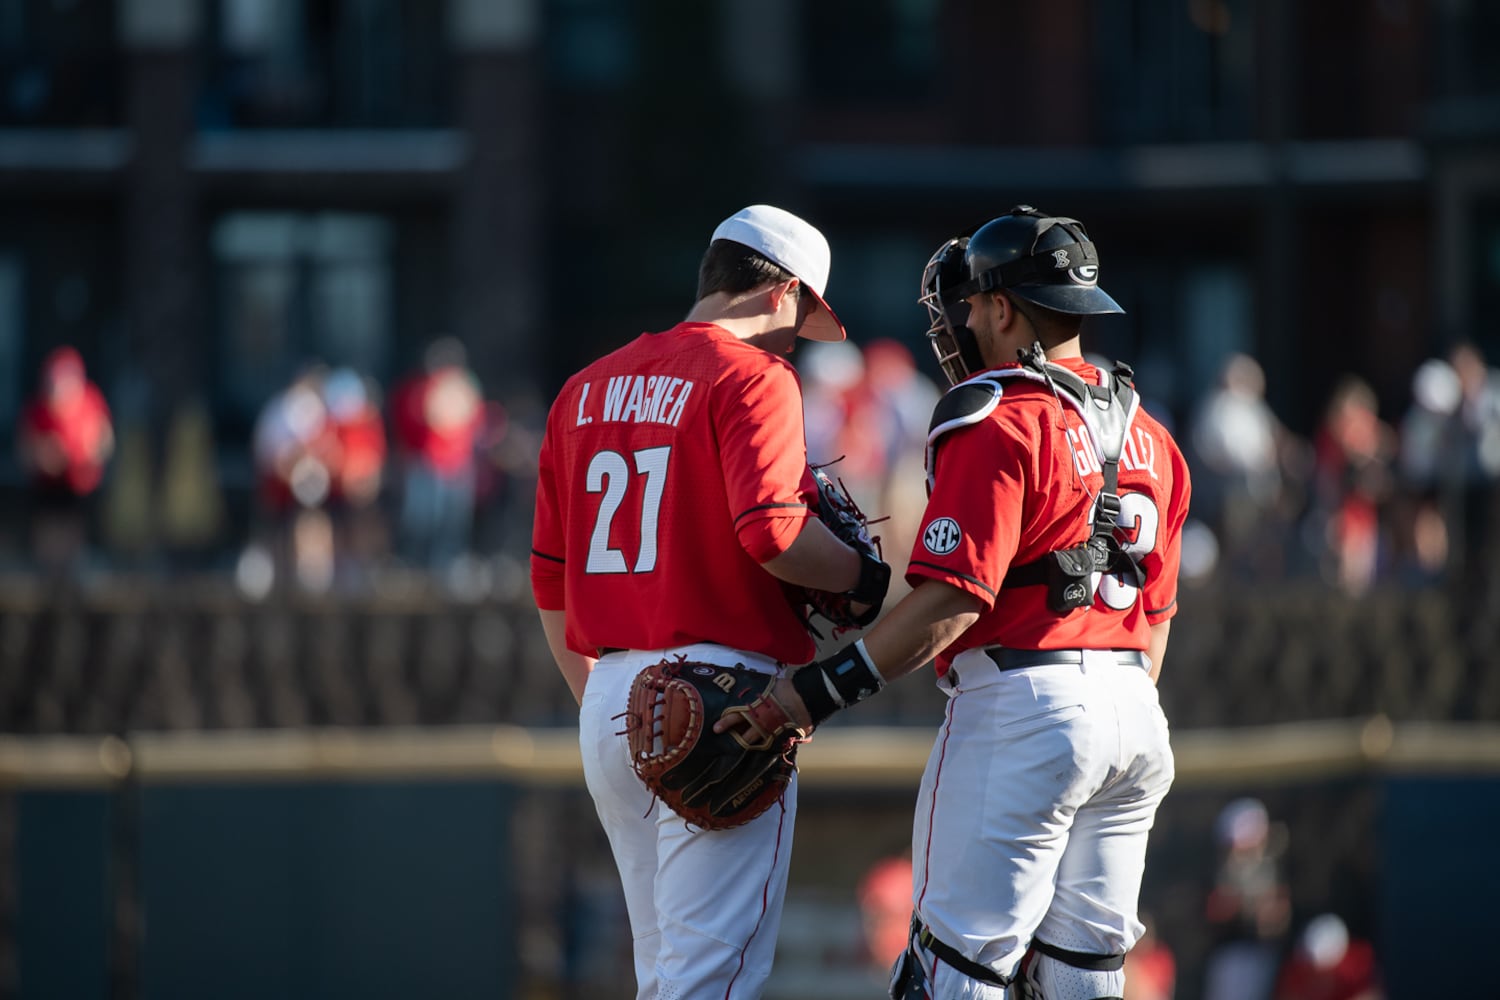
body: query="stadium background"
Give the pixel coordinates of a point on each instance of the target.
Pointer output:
(209, 792)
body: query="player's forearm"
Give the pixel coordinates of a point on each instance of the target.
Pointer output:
(816, 559)
(923, 624)
(574, 667)
(1157, 648)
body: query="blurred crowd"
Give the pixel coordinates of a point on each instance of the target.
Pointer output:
(352, 480)
(1363, 500)
(349, 481)
(1360, 501)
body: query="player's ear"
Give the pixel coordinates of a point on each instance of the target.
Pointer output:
(781, 290)
(1005, 309)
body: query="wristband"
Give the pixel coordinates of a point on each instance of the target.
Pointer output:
(874, 581)
(838, 681)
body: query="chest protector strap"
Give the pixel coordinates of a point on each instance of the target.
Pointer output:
(1107, 410)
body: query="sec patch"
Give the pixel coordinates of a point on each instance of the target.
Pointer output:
(942, 536)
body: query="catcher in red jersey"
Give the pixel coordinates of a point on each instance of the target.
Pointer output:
(1044, 583)
(672, 507)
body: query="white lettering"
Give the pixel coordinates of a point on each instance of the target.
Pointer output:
(614, 396)
(669, 391)
(1140, 454)
(653, 397)
(581, 398)
(632, 409)
(676, 414)
(1083, 452)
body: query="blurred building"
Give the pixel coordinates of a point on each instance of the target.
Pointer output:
(203, 194)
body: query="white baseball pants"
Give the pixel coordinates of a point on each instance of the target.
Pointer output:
(704, 907)
(1034, 811)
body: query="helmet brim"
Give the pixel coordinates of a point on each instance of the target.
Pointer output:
(1075, 300)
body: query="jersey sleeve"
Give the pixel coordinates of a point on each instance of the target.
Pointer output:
(764, 451)
(966, 539)
(548, 548)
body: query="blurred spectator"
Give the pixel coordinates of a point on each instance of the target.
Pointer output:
(65, 439)
(1327, 964)
(506, 494)
(1150, 967)
(1239, 486)
(895, 404)
(868, 409)
(437, 415)
(1428, 467)
(357, 476)
(1353, 455)
(884, 894)
(296, 458)
(1479, 423)
(1248, 909)
(831, 373)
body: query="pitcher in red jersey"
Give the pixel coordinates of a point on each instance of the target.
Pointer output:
(671, 504)
(1044, 581)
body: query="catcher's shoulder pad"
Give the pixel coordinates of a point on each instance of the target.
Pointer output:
(961, 406)
(964, 404)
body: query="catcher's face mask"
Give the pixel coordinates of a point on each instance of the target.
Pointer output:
(952, 341)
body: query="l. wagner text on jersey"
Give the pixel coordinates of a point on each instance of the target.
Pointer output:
(640, 399)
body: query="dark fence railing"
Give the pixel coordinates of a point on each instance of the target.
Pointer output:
(141, 655)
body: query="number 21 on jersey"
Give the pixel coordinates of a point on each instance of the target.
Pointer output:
(610, 474)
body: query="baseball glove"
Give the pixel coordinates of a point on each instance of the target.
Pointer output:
(712, 780)
(842, 516)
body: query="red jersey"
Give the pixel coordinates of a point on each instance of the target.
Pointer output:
(72, 439)
(1020, 483)
(669, 471)
(437, 416)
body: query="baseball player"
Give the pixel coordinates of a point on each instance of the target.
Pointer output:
(671, 507)
(1044, 582)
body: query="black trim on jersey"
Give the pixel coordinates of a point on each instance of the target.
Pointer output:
(767, 506)
(543, 555)
(1160, 611)
(953, 573)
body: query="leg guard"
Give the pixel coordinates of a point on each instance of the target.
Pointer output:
(1051, 973)
(908, 978)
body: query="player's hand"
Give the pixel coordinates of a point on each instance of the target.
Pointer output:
(790, 701)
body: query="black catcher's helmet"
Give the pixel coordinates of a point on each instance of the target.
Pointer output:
(1041, 258)
(1044, 259)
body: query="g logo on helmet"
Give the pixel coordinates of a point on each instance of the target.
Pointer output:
(1088, 274)
(942, 536)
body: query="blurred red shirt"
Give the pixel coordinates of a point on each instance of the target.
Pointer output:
(66, 434)
(437, 416)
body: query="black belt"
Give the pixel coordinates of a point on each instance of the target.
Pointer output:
(1014, 659)
(950, 955)
(606, 650)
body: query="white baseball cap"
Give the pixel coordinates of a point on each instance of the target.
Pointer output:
(795, 245)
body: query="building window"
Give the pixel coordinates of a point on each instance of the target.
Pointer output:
(297, 289)
(862, 50)
(59, 64)
(325, 64)
(1174, 72)
(591, 44)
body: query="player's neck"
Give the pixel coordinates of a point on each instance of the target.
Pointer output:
(743, 315)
